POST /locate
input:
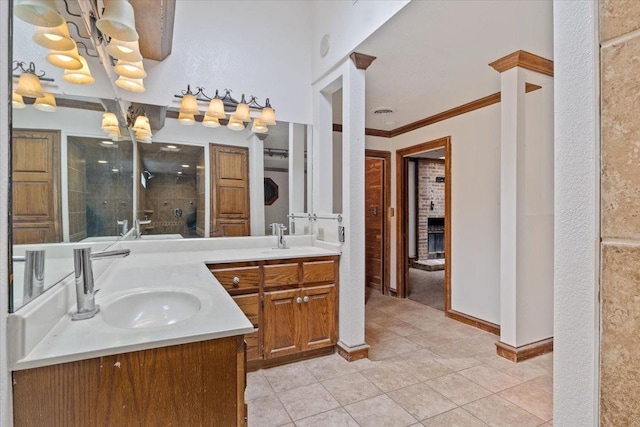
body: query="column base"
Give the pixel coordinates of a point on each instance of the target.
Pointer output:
(524, 352)
(353, 353)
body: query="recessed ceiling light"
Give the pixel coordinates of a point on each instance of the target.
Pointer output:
(104, 162)
(107, 142)
(171, 146)
(441, 158)
(115, 170)
(180, 173)
(185, 166)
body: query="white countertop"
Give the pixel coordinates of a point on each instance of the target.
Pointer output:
(152, 267)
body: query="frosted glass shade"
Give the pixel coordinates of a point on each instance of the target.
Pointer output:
(186, 119)
(142, 124)
(216, 109)
(46, 103)
(259, 127)
(242, 113)
(127, 51)
(189, 105)
(109, 120)
(16, 101)
(79, 77)
(132, 70)
(29, 85)
(132, 85)
(67, 60)
(118, 21)
(268, 116)
(210, 122)
(54, 38)
(235, 124)
(42, 13)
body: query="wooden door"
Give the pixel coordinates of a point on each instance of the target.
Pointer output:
(281, 331)
(374, 221)
(319, 317)
(36, 186)
(230, 191)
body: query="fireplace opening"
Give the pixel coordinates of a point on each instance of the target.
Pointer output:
(435, 238)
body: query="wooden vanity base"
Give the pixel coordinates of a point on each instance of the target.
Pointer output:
(197, 384)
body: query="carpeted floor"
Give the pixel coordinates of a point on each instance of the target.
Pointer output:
(427, 287)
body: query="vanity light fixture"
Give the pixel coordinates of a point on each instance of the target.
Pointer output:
(47, 103)
(186, 119)
(220, 106)
(110, 125)
(54, 38)
(127, 51)
(118, 21)
(65, 59)
(29, 82)
(259, 127)
(80, 77)
(132, 85)
(42, 13)
(139, 123)
(131, 70)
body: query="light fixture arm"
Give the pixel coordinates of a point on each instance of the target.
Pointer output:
(86, 50)
(31, 69)
(66, 6)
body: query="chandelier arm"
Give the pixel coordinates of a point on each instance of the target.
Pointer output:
(66, 6)
(86, 49)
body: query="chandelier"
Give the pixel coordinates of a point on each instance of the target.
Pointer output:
(220, 106)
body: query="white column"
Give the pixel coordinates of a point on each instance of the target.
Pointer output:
(352, 267)
(526, 209)
(256, 185)
(296, 167)
(322, 153)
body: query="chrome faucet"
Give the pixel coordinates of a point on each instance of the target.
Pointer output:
(85, 295)
(125, 226)
(33, 280)
(137, 232)
(280, 229)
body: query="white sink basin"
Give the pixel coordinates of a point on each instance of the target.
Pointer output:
(150, 309)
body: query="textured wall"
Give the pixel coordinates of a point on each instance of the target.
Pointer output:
(620, 213)
(77, 188)
(166, 193)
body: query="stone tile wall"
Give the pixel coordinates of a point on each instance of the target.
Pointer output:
(620, 212)
(166, 193)
(428, 191)
(77, 189)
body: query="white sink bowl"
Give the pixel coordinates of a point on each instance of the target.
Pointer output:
(150, 309)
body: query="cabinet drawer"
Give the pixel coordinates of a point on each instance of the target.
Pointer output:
(249, 304)
(248, 277)
(281, 274)
(253, 346)
(318, 271)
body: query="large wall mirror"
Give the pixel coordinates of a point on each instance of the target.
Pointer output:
(74, 185)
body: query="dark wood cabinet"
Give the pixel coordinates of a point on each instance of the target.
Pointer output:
(292, 304)
(197, 384)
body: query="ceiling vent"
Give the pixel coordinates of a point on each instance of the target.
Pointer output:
(383, 111)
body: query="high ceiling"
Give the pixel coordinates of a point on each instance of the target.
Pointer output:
(432, 55)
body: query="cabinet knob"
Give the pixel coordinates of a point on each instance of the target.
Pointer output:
(236, 281)
(305, 299)
(298, 300)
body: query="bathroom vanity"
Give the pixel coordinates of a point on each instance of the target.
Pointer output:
(179, 323)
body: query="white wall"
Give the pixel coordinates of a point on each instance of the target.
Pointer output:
(253, 47)
(577, 206)
(278, 211)
(475, 215)
(348, 23)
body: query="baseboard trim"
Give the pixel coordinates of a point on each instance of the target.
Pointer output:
(254, 365)
(353, 353)
(524, 352)
(474, 321)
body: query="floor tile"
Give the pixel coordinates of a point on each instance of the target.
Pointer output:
(289, 376)
(257, 386)
(329, 367)
(387, 376)
(524, 371)
(380, 411)
(267, 412)
(423, 369)
(532, 398)
(455, 418)
(334, 418)
(306, 401)
(490, 378)
(458, 389)
(422, 401)
(351, 388)
(498, 412)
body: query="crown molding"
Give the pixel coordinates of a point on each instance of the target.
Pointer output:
(361, 60)
(524, 59)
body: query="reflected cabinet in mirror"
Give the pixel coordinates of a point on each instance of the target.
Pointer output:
(77, 181)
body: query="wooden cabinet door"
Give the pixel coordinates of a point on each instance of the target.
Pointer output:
(36, 186)
(319, 317)
(281, 331)
(229, 190)
(374, 221)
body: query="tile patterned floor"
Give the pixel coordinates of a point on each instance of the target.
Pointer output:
(423, 370)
